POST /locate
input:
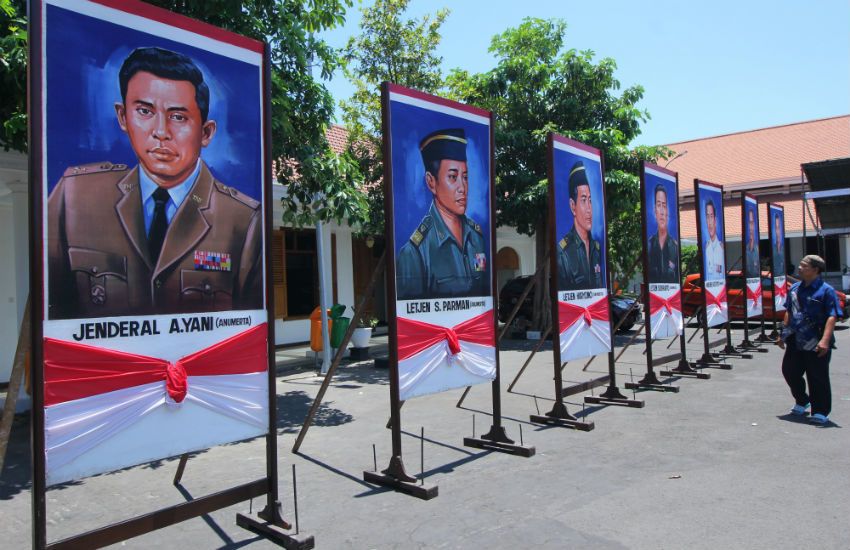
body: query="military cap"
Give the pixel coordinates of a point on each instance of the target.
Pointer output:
(578, 177)
(443, 144)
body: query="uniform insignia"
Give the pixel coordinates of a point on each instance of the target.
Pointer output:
(597, 269)
(212, 261)
(477, 227)
(671, 266)
(196, 198)
(417, 237)
(98, 294)
(596, 244)
(562, 243)
(480, 261)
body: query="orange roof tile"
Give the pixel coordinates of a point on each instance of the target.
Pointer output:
(760, 155)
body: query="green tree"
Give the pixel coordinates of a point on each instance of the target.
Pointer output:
(13, 75)
(320, 184)
(393, 49)
(538, 86)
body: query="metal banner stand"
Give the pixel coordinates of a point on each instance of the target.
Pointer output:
(269, 522)
(650, 380)
(746, 344)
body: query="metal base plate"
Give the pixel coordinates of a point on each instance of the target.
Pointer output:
(700, 364)
(563, 422)
(274, 533)
(623, 402)
(425, 492)
(749, 346)
(509, 448)
(686, 372)
(649, 386)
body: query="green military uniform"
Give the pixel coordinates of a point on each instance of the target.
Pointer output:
(577, 270)
(753, 263)
(664, 261)
(432, 264)
(99, 264)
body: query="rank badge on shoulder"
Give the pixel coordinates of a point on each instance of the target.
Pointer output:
(480, 261)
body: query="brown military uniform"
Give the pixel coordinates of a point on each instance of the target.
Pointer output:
(98, 257)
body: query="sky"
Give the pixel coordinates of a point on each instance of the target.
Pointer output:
(708, 68)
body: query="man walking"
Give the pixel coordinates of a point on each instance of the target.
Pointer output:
(811, 309)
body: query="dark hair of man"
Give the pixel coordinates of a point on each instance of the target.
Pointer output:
(660, 189)
(169, 65)
(433, 167)
(710, 203)
(574, 185)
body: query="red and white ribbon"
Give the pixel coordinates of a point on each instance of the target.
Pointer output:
(781, 285)
(423, 347)
(754, 296)
(665, 314)
(716, 307)
(92, 393)
(584, 331)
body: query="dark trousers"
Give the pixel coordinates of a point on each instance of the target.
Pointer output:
(795, 364)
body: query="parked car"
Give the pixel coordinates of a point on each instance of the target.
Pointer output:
(692, 296)
(620, 306)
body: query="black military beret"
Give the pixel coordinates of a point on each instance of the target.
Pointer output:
(443, 144)
(578, 177)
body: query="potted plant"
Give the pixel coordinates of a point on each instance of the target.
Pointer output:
(363, 332)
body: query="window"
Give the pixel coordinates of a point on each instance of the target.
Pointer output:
(295, 273)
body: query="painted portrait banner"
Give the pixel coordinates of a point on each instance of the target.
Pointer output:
(151, 234)
(440, 234)
(776, 231)
(662, 271)
(579, 249)
(711, 233)
(752, 262)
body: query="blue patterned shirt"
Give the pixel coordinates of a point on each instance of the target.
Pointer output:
(809, 307)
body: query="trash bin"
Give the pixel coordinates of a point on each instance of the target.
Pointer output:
(338, 330)
(316, 328)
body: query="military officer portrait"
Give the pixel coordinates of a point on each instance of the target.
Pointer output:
(714, 257)
(446, 255)
(778, 244)
(580, 263)
(663, 253)
(162, 236)
(752, 246)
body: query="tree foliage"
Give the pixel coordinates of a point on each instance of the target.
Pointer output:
(393, 49)
(13, 75)
(538, 86)
(301, 105)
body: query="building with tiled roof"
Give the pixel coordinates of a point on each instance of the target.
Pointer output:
(764, 162)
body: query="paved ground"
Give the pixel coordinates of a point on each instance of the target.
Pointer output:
(718, 465)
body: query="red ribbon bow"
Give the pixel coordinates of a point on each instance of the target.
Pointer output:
(718, 300)
(782, 290)
(415, 336)
(569, 314)
(754, 295)
(656, 302)
(74, 371)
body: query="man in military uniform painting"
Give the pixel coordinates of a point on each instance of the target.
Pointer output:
(663, 248)
(164, 236)
(778, 247)
(579, 254)
(446, 255)
(714, 257)
(752, 249)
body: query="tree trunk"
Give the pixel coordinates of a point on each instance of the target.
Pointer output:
(542, 303)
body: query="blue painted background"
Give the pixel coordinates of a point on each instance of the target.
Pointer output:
(650, 182)
(84, 56)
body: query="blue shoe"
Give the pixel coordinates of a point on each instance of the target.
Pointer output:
(799, 410)
(818, 419)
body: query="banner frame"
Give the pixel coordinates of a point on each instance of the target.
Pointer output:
(775, 333)
(747, 344)
(270, 523)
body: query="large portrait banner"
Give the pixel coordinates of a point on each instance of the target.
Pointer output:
(440, 224)
(711, 234)
(579, 249)
(152, 236)
(662, 271)
(752, 262)
(776, 232)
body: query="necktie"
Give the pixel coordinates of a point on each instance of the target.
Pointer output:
(159, 223)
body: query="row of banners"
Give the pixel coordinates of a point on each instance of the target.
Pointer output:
(441, 232)
(152, 220)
